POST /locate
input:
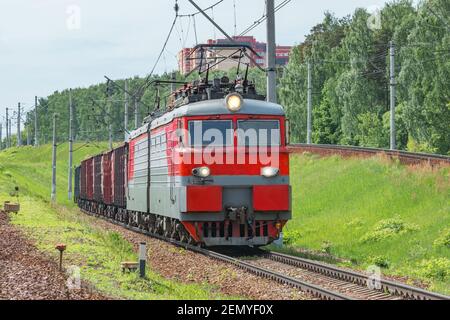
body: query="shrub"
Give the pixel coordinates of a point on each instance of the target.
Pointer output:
(436, 269)
(327, 246)
(388, 228)
(291, 237)
(355, 223)
(380, 261)
(443, 240)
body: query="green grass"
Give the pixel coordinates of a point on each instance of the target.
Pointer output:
(373, 211)
(367, 211)
(97, 252)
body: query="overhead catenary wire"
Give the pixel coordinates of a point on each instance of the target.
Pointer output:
(264, 18)
(147, 81)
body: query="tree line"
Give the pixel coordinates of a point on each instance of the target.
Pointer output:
(350, 79)
(350, 72)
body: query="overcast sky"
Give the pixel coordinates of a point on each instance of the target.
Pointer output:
(45, 47)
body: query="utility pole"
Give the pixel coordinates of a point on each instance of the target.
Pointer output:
(173, 86)
(310, 88)
(126, 112)
(1, 140)
(70, 144)
(110, 123)
(53, 195)
(136, 113)
(36, 142)
(19, 136)
(393, 95)
(271, 53)
(7, 129)
(28, 135)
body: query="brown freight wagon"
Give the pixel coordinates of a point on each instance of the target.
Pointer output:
(107, 178)
(98, 194)
(119, 177)
(83, 191)
(90, 179)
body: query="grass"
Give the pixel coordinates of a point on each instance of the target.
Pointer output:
(374, 211)
(364, 211)
(98, 253)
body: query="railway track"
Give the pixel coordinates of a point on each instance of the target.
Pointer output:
(352, 283)
(408, 158)
(319, 280)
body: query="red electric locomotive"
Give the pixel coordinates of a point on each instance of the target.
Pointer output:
(212, 169)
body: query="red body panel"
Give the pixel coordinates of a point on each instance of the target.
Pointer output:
(236, 168)
(204, 199)
(271, 198)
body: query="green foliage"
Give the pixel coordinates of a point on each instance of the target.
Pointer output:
(444, 239)
(380, 261)
(351, 78)
(291, 237)
(342, 201)
(435, 269)
(387, 228)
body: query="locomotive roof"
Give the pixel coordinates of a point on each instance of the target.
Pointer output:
(211, 108)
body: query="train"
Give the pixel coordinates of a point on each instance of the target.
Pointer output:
(212, 169)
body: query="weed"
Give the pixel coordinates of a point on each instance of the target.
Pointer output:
(388, 228)
(380, 261)
(435, 269)
(443, 240)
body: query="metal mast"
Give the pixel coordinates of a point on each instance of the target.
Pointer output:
(271, 53)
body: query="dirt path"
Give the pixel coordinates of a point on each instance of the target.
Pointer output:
(26, 274)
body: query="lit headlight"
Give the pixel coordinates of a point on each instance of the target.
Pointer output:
(203, 172)
(234, 102)
(270, 172)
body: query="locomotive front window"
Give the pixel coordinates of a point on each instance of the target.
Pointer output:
(252, 133)
(215, 133)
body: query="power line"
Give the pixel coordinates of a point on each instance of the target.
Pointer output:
(263, 18)
(198, 11)
(148, 78)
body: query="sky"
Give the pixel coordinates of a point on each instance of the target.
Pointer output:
(51, 45)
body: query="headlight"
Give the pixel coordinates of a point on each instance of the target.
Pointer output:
(234, 102)
(203, 172)
(270, 172)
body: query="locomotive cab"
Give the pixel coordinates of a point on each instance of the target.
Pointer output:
(235, 166)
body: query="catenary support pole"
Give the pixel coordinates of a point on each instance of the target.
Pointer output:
(309, 117)
(19, 135)
(53, 195)
(125, 127)
(69, 189)
(271, 53)
(136, 113)
(7, 129)
(173, 86)
(110, 127)
(393, 86)
(36, 141)
(28, 135)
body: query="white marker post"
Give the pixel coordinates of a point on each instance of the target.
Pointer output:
(142, 258)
